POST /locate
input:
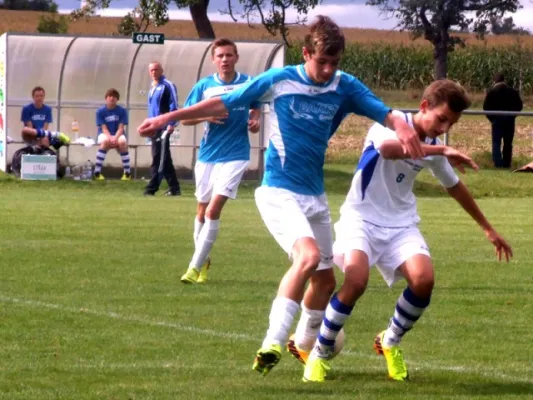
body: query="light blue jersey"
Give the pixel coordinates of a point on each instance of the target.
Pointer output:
(302, 115)
(228, 141)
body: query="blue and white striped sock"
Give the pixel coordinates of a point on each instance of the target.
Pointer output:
(409, 309)
(336, 315)
(100, 158)
(125, 157)
(42, 133)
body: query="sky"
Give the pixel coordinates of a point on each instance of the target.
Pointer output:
(347, 13)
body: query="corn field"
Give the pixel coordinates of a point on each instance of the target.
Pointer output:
(400, 67)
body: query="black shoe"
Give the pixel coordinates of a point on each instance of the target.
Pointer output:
(148, 193)
(173, 193)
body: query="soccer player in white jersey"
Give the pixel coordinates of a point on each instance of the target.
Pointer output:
(303, 100)
(378, 225)
(224, 154)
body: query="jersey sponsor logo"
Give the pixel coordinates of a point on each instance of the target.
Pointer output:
(309, 111)
(416, 167)
(112, 118)
(38, 117)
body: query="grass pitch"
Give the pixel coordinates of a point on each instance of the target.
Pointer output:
(91, 306)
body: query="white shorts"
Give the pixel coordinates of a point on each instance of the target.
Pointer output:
(102, 137)
(219, 178)
(290, 216)
(387, 248)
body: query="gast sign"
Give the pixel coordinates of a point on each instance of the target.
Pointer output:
(148, 38)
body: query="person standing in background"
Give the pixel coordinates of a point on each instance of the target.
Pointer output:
(502, 97)
(162, 98)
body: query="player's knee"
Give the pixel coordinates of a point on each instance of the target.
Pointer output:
(104, 143)
(422, 284)
(308, 261)
(213, 213)
(122, 144)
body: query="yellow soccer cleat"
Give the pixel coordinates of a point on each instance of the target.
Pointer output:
(202, 278)
(267, 358)
(316, 370)
(394, 357)
(98, 176)
(126, 176)
(299, 354)
(191, 276)
(63, 139)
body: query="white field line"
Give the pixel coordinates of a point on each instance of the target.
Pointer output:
(481, 371)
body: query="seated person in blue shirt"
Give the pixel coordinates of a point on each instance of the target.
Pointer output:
(111, 120)
(36, 118)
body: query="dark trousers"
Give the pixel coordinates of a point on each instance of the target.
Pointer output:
(162, 165)
(502, 131)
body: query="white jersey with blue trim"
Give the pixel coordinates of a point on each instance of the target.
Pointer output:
(382, 190)
(228, 141)
(302, 115)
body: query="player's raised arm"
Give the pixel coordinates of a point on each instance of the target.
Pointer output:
(206, 108)
(462, 195)
(257, 89)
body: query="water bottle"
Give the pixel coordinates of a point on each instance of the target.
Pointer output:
(68, 172)
(176, 135)
(88, 171)
(75, 128)
(76, 172)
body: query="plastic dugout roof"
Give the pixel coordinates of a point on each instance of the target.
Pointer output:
(76, 70)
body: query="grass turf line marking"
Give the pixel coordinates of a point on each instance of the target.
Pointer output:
(490, 373)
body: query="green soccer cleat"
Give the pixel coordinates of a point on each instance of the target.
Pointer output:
(202, 278)
(191, 276)
(316, 370)
(299, 354)
(64, 139)
(394, 357)
(267, 358)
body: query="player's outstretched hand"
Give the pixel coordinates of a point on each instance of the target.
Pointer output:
(410, 141)
(502, 247)
(459, 160)
(150, 126)
(253, 125)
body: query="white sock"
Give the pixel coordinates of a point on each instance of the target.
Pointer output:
(308, 328)
(205, 242)
(197, 229)
(281, 316)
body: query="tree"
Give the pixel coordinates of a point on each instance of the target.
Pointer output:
(272, 14)
(506, 26)
(433, 20)
(33, 5)
(52, 23)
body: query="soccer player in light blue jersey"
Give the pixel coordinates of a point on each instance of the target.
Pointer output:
(304, 101)
(378, 226)
(36, 118)
(111, 121)
(224, 154)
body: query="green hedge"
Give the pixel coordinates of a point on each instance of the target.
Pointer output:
(400, 67)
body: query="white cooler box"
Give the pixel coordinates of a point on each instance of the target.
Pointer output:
(39, 167)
